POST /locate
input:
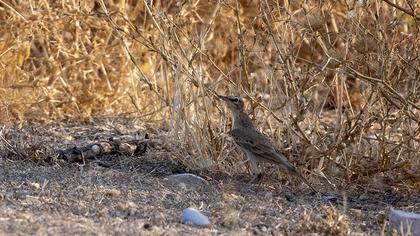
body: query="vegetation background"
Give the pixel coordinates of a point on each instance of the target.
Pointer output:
(334, 83)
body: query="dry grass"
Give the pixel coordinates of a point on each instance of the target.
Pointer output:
(335, 83)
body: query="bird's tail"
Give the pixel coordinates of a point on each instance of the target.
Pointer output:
(285, 164)
(307, 183)
(295, 172)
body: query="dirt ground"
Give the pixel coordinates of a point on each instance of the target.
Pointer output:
(132, 195)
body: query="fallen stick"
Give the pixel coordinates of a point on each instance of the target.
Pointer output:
(112, 146)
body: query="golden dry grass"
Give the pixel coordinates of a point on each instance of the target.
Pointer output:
(163, 63)
(335, 83)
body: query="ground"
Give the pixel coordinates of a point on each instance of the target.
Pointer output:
(132, 196)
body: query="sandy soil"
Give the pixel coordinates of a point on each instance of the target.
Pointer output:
(133, 197)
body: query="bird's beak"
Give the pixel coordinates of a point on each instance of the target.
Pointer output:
(224, 98)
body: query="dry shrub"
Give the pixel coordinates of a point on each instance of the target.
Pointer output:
(336, 83)
(330, 222)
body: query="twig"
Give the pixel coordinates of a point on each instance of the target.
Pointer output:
(13, 10)
(142, 77)
(241, 46)
(402, 9)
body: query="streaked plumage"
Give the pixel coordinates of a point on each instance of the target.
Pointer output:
(257, 147)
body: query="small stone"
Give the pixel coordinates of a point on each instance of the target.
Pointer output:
(405, 223)
(193, 216)
(363, 197)
(187, 180)
(329, 198)
(96, 149)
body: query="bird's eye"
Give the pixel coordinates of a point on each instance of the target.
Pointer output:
(235, 100)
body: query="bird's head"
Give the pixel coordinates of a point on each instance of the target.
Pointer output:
(233, 102)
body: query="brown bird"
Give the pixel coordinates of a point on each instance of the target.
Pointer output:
(257, 147)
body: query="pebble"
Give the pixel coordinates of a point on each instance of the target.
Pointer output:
(187, 180)
(329, 198)
(409, 222)
(194, 217)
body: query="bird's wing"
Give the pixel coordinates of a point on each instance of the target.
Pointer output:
(260, 146)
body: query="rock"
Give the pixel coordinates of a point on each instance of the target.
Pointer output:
(194, 217)
(187, 180)
(329, 198)
(404, 222)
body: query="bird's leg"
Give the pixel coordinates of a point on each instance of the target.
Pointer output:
(257, 177)
(255, 170)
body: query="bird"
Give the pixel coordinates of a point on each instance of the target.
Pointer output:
(256, 146)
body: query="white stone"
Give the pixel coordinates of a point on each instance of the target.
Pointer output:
(405, 223)
(96, 149)
(193, 216)
(187, 180)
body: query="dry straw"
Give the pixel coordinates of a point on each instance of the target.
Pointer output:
(336, 83)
